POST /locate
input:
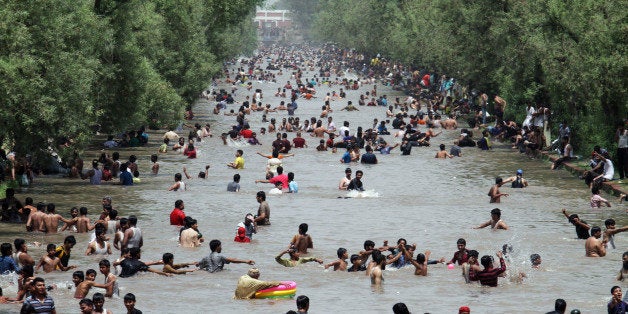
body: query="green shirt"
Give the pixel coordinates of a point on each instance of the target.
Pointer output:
(290, 263)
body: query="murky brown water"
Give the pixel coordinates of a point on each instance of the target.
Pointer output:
(427, 201)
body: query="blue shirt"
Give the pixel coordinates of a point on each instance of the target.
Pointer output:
(7, 264)
(346, 158)
(41, 307)
(126, 178)
(293, 187)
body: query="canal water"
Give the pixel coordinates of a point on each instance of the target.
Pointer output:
(428, 201)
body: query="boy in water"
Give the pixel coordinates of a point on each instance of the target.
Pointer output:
(171, 268)
(129, 303)
(495, 222)
(341, 262)
(420, 264)
(302, 241)
(50, 261)
(494, 192)
(110, 279)
(535, 259)
(99, 302)
(84, 283)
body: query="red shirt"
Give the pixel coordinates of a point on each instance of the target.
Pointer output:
(246, 133)
(283, 178)
(298, 142)
(176, 217)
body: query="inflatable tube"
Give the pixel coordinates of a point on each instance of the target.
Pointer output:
(287, 289)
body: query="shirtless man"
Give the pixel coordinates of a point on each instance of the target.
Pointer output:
(320, 130)
(21, 256)
(344, 182)
(83, 223)
(420, 264)
(341, 262)
(51, 220)
(494, 191)
(449, 124)
(302, 241)
(442, 153)
(85, 283)
(593, 246)
(36, 216)
(495, 222)
(50, 261)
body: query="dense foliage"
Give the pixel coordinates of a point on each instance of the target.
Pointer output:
(67, 67)
(568, 55)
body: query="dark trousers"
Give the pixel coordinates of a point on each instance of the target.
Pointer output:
(622, 162)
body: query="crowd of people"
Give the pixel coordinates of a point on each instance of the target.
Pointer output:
(433, 104)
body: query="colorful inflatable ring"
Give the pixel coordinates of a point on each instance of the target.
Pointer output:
(287, 289)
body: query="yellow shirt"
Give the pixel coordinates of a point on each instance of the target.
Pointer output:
(247, 286)
(239, 162)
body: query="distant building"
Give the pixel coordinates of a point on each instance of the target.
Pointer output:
(272, 25)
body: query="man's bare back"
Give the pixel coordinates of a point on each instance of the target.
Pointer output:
(594, 248)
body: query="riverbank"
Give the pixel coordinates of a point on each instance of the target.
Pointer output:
(615, 187)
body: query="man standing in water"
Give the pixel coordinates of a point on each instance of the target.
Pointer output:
(582, 228)
(215, 261)
(494, 192)
(495, 222)
(593, 246)
(263, 212)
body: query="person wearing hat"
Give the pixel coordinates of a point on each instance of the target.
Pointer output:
(517, 180)
(249, 284)
(464, 310)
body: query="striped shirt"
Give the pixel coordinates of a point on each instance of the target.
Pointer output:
(47, 306)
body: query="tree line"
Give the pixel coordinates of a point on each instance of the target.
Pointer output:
(69, 67)
(566, 55)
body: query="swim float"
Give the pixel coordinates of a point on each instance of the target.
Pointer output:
(286, 290)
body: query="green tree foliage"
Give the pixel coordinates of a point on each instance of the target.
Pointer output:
(568, 55)
(67, 66)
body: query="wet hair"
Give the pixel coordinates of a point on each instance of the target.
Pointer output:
(615, 287)
(368, 243)
(341, 251)
(498, 180)
(132, 220)
(178, 203)
(303, 228)
(400, 308)
(98, 297)
(214, 244)
(595, 229)
(486, 260)
(87, 301)
(83, 210)
(262, 195)
(129, 297)
(6, 249)
(134, 252)
(420, 258)
(50, 207)
(177, 176)
(595, 190)
(69, 240)
(506, 248)
(473, 253)
(401, 239)
(279, 170)
(79, 274)
(132, 158)
(241, 152)
(113, 214)
(236, 177)
(290, 176)
(354, 257)
(461, 241)
(609, 222)
(18, 243)
(560, 305)
(167, 258)
(153, 158)
(534, 257)
(90, 271)
(303, 302)
(497, 212)
(104, 262)
(51, 247)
